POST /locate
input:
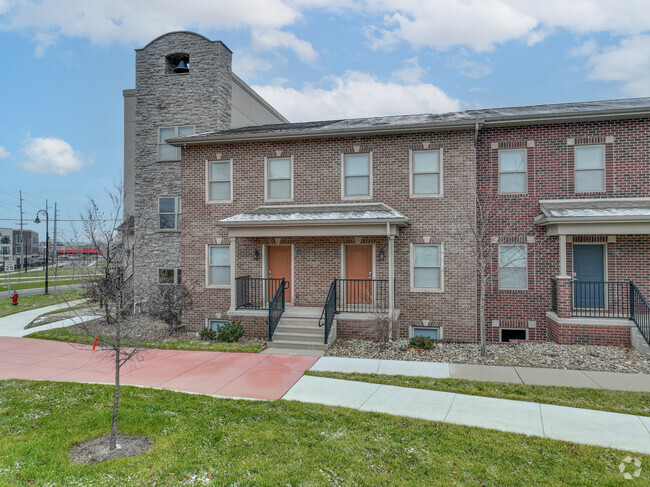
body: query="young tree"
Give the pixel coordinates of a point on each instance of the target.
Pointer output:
(169, 303)
(485, 223)
(118, 333)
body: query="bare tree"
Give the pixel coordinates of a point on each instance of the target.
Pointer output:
(117, 333)
(169, 303)
(484, 224)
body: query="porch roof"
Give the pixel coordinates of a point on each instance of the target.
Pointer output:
(307, 220)
(609, 216)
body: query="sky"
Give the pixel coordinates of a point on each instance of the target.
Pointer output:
(66, 63)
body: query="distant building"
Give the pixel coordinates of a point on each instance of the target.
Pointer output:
(25, 247)
(6, 243)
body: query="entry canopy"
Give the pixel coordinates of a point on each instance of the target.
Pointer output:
(316, 220)
(601, 216)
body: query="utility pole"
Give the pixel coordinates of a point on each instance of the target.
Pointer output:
(54, 257)
(22, 237)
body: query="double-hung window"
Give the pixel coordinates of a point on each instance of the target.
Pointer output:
(512, 171)
(425, 173)
(220, 181)
(357, 176)
(219, 265)
(426, 267)
(167, 152)
(278, 178)
(513, 267)
(169, 212)
(169, 276)
(589, 168)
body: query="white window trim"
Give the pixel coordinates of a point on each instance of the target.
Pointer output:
(414, 289)
(266, 181)
(356, 197)
(208, 181)
(525, 288)
(512, 172)
(576, 171)
(412, 330)
(176, 271)
(207, 267)
(161, 142)
(412, 175)
(177, 211)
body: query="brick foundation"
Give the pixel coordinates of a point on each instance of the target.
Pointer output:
(588, 334)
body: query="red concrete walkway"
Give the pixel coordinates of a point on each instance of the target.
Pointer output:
(249, 375)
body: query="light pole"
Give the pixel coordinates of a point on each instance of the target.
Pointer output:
(47, 242)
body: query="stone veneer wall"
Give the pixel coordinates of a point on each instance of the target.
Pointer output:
(201, 98)
(317, 180)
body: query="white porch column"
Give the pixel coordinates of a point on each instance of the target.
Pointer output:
(233, 273)
(563, 256)
(391, 274)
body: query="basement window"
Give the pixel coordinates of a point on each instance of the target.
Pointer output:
(433, 333)
(508, 334)
(214, 325)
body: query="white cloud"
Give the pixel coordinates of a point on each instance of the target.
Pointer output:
(4, 153)
(270, 39)
(627, 63)
(587, 48)
(412, 72)
(43, 41)
(466, 66)
(356, 95)
(50, 155)
(247, 65)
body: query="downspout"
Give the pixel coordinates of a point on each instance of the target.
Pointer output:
(391, 279)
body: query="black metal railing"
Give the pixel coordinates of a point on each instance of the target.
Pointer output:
(276, 308)
(362, 295)
(329, 311)
(255, 292)
(600, 299)
(640, 312)
(554, 295)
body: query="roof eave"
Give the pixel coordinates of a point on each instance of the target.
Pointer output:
(402, 222)
(590, 219)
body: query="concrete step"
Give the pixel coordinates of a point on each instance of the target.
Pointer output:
(294, 351)
(300, 329)
(299, 321)
(298, 337)
(296, 344)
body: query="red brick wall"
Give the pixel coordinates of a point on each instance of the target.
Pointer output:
(589, 335)
(317, 180)
(550, 176)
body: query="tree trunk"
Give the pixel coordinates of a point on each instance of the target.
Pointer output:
(481, 308)
(116, 403)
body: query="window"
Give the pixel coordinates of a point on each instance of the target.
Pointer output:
(512, 171)
(425, 173)
(513, 265)
(18, 250)
(426, 271)
(167, 152)
(508, 334)
(357, 181)
(433, 333)
(220, 181)
(170, 213)
(219, 265)
(214, 325)
(589, 169)
(18, 239)
(169, 276)
(278, 178)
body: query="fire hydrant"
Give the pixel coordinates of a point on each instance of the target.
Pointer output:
(14, 299)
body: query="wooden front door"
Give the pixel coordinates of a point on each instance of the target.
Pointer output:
(279, 266)
(358, 260)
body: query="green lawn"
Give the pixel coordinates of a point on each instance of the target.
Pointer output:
(615, 401)
(35, 284)
(75, 335)
(201, 440)
(25, 303)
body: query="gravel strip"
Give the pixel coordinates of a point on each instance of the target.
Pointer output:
(528, 354)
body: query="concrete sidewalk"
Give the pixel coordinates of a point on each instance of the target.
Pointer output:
(488, 373)
(14, 325)
(600, 428)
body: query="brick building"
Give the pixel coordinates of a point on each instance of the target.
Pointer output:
(353, 221)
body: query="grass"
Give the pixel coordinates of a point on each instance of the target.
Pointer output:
(75, 335)
(35, 284)
(615, 401)
(202, 440)
(25, 303)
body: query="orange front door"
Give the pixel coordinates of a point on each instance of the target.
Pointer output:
(279, 267)
(358, 260)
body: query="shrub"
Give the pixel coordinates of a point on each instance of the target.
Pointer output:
(207, 334)
(230, 332)
(424, 343)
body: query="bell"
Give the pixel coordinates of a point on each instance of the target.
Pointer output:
(182, 67)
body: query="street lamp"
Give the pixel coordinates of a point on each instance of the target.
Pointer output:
(47, 243)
